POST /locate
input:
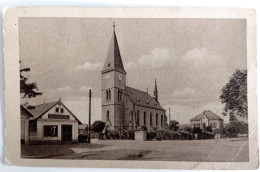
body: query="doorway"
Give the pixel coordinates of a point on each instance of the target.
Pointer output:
(66, 133)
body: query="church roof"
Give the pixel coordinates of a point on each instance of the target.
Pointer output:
(210, 115)
(113, 60)
(142, 98)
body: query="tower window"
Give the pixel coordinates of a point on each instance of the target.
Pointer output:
(108, 94)
(151, 119)
(107, 115)
(120, 95)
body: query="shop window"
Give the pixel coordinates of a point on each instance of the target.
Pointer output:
(50, 131)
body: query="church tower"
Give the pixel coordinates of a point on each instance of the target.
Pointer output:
(113, 84)
(155, 92)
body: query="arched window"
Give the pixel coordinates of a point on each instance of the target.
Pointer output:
(107, 115)
(119, 95)
(109, 94)
(144, 118)
(156, 119)
(151, 119)
(137, 118)
(162, 121)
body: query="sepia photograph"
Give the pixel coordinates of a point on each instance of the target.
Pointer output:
(134, 89)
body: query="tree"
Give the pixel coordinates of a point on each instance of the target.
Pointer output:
(174, 125)
(234, 94)
(27, 89)
(98, 127)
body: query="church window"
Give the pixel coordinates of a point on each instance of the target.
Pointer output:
(107, 115)
(120, 95)
(156, 119)
(137, 118)
(151, 119)
(144, 118)
(108, 94)
(162, 121)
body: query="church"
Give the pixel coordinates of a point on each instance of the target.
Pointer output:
(123, 106)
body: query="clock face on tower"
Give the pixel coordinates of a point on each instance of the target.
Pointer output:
(120, 77)
(108, 76)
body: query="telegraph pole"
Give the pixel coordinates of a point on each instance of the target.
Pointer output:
(169, 115)
(89, 116)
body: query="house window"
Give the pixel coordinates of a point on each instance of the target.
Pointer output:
(151, 119)
(50, 130)
(32, 125)
(57, 110)
(137, 118)
(194, 125)
(144, 118)
(214, 125)
(61, 110)
(156, 119)
(162, 121)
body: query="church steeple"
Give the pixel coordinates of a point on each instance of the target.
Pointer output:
(113, 60)
(155, 92)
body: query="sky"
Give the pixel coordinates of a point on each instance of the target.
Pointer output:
(191, 59)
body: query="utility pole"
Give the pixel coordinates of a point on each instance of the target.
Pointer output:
(169, 115)
(89, 116)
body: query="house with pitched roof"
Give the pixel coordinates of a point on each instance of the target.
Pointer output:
(205, 119)
(50, 122)
(124, 106)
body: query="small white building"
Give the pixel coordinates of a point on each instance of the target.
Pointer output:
(51, 122)
(207, 118)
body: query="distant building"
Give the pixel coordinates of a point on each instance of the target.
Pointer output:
(207, 118)
(49, 122)
(123, 106)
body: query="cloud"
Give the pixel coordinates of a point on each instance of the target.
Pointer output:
(158, 57)
(64, 89)
(84, 88)
(185, 91)
(202, 58)
(129, 65)
(88, 66)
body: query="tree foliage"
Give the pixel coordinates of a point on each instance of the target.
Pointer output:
(98, 126)
(27, 89)
(234, 94)
(174, 125)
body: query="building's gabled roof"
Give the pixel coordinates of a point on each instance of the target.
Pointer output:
(210, 115)
(41, 109)
(113, 60)
(142, 98)
(26, 110)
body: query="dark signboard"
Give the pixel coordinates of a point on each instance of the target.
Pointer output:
(55, 116)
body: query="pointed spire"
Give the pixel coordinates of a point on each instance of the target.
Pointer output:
(113, 60)
(155, 93)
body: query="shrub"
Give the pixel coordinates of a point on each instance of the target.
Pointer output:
(151, 135)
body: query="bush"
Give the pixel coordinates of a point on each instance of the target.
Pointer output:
(151, 135)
